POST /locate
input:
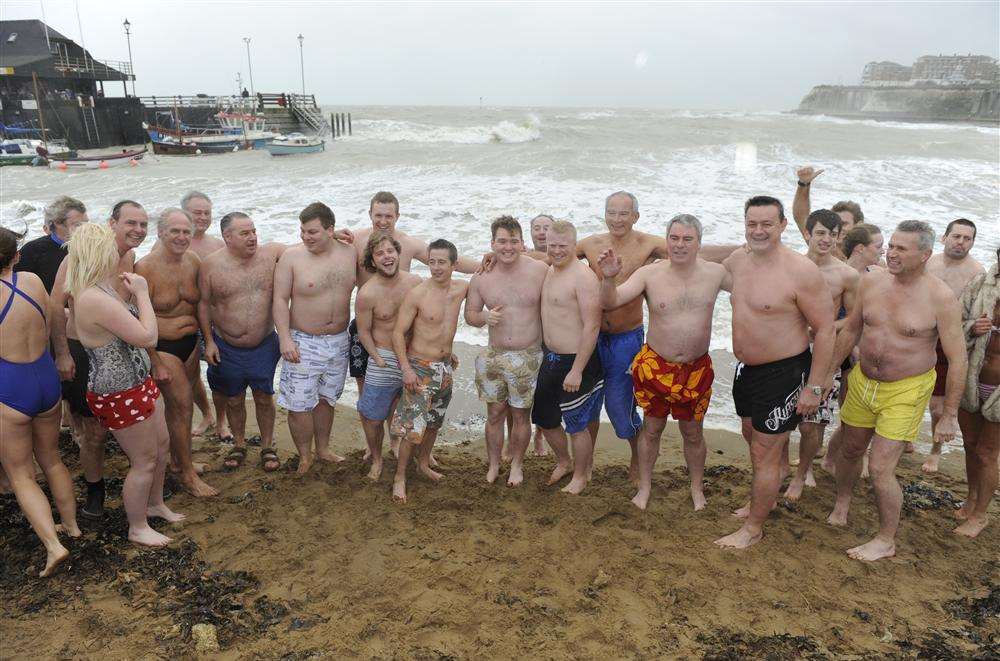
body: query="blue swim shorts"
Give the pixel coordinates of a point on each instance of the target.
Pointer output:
(617, 350)
(382, 386)
(239, 367)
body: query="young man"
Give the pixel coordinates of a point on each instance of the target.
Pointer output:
(570, 383)
(957, 268)
(130, 224)
(506, 372)
(316, 279)
(778, 296)
(171, 272)
(672, 373)
(822, 237)
(849, 211)
(429, 317)
(376, 309)
(241, 348)
(899, 317)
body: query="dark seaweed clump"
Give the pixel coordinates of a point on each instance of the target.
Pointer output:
(728, 645)
(922, 496)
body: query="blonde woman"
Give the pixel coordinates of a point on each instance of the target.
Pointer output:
(29, 405)
(120, 391)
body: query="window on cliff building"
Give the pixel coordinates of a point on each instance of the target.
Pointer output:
(12, 38)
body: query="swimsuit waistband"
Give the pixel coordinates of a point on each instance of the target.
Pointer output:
(607, 335)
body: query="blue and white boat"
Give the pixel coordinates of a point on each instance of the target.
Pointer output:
(295, 143)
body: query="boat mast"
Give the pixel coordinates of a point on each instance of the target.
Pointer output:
(38, 102)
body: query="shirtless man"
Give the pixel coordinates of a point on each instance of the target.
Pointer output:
(199, 206)
(383, 210)
(899, 317)
(778, 296)
(850, 212)
(429, 317)
(241, 347)
(130, 224)
(571, 380)
(680, 295)
(316, 278)
(540, 225)
(376, 308)
(506, 372)
(957, 268)
(822, 238)
(171, 272)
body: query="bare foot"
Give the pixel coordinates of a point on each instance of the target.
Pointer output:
(931, 465)
(864, 467)
(368, 454)
(873, 550)
(198, 488)
(810, 478)
(962, 513)
(429, 473)
(203, 426)
(148, 537)
(164, 512)
(329, 457)
(742, 512)
(794, 490)
(71, 529)
(740, 539)
(560, 471)
(305, 463)
(432, 461)
(492, 472)
(516, 476)
(53, 559)
(575, 486)
(641, 499)
(972, 526)
(699, 500)
(399, 491)
(838, 517)
(376, 470)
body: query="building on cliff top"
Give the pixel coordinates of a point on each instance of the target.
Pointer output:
(933, 70)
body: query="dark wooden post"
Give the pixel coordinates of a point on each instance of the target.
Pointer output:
(332, 132)
(349, 131)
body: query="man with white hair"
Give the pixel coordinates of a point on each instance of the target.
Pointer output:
(43, 255)
(899, 316)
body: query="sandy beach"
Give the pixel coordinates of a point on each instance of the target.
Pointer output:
(328, 566)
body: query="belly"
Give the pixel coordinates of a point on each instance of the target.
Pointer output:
(625, 318)
(760, 339)
(886, 356)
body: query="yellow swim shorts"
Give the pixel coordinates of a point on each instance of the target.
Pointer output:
(894, 409)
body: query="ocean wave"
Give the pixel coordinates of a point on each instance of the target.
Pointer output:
(906, 126)
(504, 132)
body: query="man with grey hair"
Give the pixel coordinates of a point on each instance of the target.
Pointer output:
(900, 315)
(43, 255)
(672, 373)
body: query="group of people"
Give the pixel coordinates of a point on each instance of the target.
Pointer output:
(566, 338)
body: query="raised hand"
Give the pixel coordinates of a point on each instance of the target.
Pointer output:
(134, 283)
(982, 326)
(807, 174)
(610, 263)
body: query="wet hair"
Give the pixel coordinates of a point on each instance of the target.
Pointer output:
(687, 220)
(318, 211)
(635, 200)
(764, 201)
(961, 221)
(850, 206)
(228, 219)
(508, 223)
(919, 227)
(56, 212)
(116, 211)
(825, 217)
(161, 219)
(444, 244)
(859, 235)
(872, 227)
(563, 227)
(193, 195)
(374, 241)
(384, 197)
(9, 240)
(93, 256)
(541, 215)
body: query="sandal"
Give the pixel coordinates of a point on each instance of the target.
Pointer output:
(235, 458)
(269, 456)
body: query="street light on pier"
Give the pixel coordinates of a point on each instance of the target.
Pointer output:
(302, 64)
(253, 93)
(128, 39)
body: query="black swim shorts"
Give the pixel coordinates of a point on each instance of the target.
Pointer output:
(769, 393)
(74, 391)
(553, 405)
(356, 354)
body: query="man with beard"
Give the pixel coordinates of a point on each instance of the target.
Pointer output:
(316, 278)
(376, 308)
(171, 272)
(241, 346)
(849, 211)
(957, 268)
(129, 223)
(899, 317)
(506, 372)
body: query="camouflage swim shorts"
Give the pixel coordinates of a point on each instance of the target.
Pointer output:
(425, 407)
(508, 375)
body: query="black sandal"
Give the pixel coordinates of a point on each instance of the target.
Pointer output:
(237, 456)
(268, 456)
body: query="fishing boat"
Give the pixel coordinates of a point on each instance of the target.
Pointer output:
(21, 151)
(99, 162)
(168, 146)
(295, 143)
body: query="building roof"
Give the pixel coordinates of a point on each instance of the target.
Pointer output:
(28, 46)
(23, 46)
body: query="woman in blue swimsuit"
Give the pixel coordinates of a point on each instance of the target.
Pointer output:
(29, 405)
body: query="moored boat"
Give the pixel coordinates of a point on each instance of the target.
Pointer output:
(28, 152)
(295, 143)
(169, 147)
(101, 161)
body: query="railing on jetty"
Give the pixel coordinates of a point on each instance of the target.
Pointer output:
(264, 100)
(104, 69)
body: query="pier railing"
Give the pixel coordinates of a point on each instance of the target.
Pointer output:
(102, 69)
(248, 104)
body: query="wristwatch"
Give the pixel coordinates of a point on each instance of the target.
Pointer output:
(803, 184)
(816, 390)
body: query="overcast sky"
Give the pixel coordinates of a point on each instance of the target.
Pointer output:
(695, 55)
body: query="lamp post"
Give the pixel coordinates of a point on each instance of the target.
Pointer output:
(253, 93)
(302, 65)
(128, 38)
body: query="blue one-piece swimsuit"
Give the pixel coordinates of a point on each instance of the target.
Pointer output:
(30, 388)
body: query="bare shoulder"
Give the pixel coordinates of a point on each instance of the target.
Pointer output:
(192, 258)
(411, 279)
(584, 275)
(30, 282)
(535, 267)
(460, 287)
(940, 292)
(710, 269)
(214, 259)
(146, 264)
(735, 260)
